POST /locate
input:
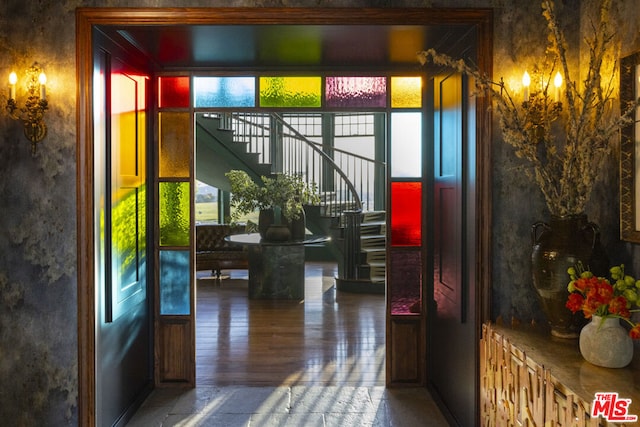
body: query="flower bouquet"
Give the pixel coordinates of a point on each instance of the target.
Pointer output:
(597, 296)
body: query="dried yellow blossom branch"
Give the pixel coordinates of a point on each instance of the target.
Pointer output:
(564, 143)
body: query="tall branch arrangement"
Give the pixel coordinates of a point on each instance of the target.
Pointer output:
(564, 142)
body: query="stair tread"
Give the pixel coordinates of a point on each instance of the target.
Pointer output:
(373, 236)
(373, 223)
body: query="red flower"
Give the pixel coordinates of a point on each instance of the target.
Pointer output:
(635, 332)
(597, 296)
(575, 301)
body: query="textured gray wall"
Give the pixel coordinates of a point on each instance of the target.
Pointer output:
(38, 340)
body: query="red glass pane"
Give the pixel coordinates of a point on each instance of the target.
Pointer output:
(406, 213)
(173, 92)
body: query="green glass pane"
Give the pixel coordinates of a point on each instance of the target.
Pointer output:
(290, 91)
(175, 144)
(175, 213)
(406, 92)
(175, 287)
(128, 236)
(290, 44)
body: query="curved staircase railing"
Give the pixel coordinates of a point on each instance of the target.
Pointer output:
(346, 181)
(339, 174)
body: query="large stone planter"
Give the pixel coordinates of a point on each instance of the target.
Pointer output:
(562, 243)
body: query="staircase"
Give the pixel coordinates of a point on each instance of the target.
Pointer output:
(246, 141)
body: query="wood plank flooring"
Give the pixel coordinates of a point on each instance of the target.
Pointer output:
(330, 338)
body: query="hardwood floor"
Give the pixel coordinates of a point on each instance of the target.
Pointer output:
(330, 338)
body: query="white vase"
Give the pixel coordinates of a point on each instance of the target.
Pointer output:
(604, 342)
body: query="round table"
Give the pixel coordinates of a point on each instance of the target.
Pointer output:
(276, 269)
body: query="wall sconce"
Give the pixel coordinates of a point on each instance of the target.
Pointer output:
(32, 114)
(540, 106)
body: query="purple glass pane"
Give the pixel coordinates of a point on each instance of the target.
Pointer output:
(356, 92)
(405, 282)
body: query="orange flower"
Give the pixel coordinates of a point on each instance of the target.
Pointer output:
(597, 296)
(635, 332)
(618, 305)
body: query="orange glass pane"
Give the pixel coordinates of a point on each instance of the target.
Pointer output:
(175, 144)
(404, 42)
(173, 92)
(406, 213)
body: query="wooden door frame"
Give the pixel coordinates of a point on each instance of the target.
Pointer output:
(87, 18)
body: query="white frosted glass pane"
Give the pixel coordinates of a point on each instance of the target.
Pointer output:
(406, 145)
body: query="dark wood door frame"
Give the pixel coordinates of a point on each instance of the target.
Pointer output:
(87, 18)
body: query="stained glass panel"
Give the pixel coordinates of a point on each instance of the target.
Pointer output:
(406, 278)
(406, 213)
(290, 91)
(286, 44)
(175, 290)
(175, 144)
(406, 92)
(175, 213)
(406, 145)
(173, 92)
(404, 42)
(356, 91)
(224, 91)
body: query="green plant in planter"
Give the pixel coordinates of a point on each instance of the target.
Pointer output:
(285, 192)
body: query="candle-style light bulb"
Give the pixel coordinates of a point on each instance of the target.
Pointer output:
(42, 78)
(526, 81)
(13, 79)
(557, 82)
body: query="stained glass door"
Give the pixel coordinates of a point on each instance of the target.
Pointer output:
(123, 293)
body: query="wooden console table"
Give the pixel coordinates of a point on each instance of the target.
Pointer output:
(276, 269)
(529, 378)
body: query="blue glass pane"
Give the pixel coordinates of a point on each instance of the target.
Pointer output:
(356, 91)
(224, 91)
(175, 289)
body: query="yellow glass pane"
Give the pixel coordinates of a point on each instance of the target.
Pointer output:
(404, 42)
(406, 92)
(175, 144)
(290, 91)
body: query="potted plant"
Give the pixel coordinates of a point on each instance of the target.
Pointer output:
(604, 342)
(283, 197)
(563, 135)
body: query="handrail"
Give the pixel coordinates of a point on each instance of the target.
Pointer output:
(276, 142)
(261, 131)
(327, 159)
(302, 137)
